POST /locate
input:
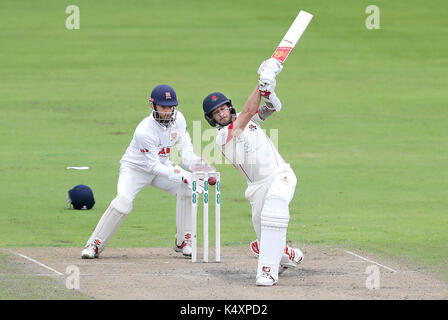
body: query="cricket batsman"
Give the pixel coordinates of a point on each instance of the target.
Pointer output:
(146, 162)
(270, 180)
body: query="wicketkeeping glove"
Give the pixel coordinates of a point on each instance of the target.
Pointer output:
(202, 165)
(184, 176)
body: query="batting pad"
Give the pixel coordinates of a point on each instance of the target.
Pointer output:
(183, 213)
(275, 214)
(274, 224)
(111, 220)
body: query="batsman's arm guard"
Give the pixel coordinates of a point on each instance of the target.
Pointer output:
(270, 105)
(263, 113)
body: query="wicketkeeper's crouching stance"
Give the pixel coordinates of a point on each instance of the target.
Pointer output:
(271, 181)
(146, 162)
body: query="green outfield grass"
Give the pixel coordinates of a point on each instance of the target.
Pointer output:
(364, 121)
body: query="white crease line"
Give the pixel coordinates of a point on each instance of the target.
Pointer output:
(30, 274)
(371, 261)
(95, 263)
(37, 262)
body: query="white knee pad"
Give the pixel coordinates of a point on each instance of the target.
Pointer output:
(122, 205)
(275, 213)
(112, 218)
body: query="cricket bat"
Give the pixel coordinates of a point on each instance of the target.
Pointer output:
(290, 39)
(293, 35)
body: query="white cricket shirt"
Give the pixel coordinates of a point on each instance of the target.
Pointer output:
(152, 144)
(252, 152)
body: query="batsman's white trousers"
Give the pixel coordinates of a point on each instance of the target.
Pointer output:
(281, 184)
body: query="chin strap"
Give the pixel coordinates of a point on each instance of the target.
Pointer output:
(163, 122)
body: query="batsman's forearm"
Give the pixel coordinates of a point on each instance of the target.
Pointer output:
(253, 102)
(249, 110)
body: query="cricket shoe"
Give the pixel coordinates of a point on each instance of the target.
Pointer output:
(90, 252)
(184, 248)
(265, 280)
(291, 258)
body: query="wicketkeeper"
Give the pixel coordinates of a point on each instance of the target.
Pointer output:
(146, 162)
(271, 181)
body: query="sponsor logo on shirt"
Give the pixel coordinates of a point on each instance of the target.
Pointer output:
(252, 127)
(165, 151)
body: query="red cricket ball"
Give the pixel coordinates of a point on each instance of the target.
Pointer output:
(212, 181)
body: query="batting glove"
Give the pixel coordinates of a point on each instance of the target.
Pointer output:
(270, 65)
(267, 84)
(268, 71)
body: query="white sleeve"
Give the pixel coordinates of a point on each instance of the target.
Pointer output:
(145, 142)
(186, 151)
(224, 135)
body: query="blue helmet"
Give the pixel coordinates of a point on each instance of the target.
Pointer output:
(164, 95)
(211, 102)
(81, 197)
